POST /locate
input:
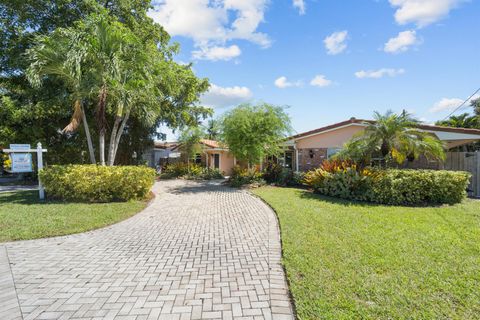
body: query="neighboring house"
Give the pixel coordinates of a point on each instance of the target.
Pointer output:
(307, 150)
(161, 153)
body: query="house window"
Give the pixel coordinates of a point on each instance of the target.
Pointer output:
(332, 151)
(288, 163)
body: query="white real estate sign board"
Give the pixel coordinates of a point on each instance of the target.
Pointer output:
(21, 162)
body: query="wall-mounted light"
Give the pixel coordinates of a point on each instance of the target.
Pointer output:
(311, 153)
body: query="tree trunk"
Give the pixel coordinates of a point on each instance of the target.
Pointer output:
(102, 122)
(113, 138)
(101, 146)
(119, 134)
(89, 138)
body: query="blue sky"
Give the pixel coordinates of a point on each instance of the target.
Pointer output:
(329, 60)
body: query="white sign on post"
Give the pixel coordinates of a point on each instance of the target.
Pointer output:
(22, 160)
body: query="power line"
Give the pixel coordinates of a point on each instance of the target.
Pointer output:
(463, 103)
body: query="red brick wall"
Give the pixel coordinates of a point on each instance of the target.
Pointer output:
(306, 162)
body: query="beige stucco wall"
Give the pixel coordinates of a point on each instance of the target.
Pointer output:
(227, 161)
(331, 139)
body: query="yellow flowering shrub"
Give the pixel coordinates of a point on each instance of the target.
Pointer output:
(94, 183)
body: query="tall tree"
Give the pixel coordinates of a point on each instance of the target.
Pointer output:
(212, 129)
(392, 137)
(124, 75)
(253, 132)
(60, 54)
(37, 114)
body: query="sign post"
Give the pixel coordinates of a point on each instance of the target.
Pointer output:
(22, 161)
(41, 191)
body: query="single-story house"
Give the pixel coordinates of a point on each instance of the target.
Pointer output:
(307, 150)
(214, 155)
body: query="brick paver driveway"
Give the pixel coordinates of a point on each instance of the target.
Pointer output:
(199, 251)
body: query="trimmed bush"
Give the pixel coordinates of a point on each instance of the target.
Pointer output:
(190, 171)
(240, 177)
(419, 187)
(92, 183)
(391, 186)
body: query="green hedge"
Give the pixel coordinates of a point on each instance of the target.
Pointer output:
(94, 183)
(414, 187)
(190, 171)
(391, 186)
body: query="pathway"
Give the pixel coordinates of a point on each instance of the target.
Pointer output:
(199, 251)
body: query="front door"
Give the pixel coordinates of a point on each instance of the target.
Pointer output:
(216, 161)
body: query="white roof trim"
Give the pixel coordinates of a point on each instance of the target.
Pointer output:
(451, 136)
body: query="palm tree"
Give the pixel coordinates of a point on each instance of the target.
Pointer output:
(392, 137)
(105, 43)
(61, 56)
(463, 120)
(213, 129)
(97, 61)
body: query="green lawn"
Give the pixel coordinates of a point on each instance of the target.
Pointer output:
(23, 216)
(348, 260)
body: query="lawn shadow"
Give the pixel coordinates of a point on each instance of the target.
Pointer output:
(309, 194)
(20, 197)
(30, 197)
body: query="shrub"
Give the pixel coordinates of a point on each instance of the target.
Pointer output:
(190, 171)
(209, 174)
(93, 183)
(389, 186)
(179, 169)
(240, 177)
(341, 179)
(414, 187)
(275, 173)
(272, 172)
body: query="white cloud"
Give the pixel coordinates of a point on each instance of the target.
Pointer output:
(283, 83)
(220, 97)
(320, 81)
(401, 42)
(336, 42)
(422, 12)
(449, 104)
(377, 74)
(212, 23)
(300, 5)
(217, 53)
(446, 104)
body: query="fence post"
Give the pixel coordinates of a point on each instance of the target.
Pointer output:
(477, 158)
